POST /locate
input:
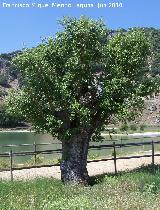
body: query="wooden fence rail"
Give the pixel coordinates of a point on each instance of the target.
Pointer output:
(35, 152)
(104, 146)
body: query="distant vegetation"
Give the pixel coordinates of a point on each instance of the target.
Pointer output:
(154, 35)
(3, 80)
(8, 120)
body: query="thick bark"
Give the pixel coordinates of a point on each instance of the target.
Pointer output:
(74, 159)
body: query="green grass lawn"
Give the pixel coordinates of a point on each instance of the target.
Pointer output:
(139, 189)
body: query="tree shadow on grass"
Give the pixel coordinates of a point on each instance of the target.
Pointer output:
(148, 169)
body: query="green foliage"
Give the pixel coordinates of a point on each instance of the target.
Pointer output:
(2, 93)
(124, 127)
(85, 76)
(142, 127)
(133, 127)
(3, 79)
(8, 119)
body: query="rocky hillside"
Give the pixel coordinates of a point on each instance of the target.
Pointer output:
(151, 113)
(9, 78)
(8, 74)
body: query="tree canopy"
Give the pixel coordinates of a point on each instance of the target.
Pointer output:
(74, 82)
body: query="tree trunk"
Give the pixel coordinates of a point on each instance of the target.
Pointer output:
(74, 159)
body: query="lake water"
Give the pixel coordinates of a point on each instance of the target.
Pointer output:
(15, 138)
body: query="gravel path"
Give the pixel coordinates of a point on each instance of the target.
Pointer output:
(94, 168)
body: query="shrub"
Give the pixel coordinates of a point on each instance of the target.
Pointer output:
(124, 127)
(142, 127)
(2, 93)
(133, 127)
(3, 80)
(6, 119)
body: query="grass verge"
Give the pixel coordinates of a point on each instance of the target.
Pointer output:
(139, 189)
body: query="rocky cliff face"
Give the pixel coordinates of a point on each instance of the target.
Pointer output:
(151, 113)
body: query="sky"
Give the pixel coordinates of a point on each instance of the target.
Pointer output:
(25, 27)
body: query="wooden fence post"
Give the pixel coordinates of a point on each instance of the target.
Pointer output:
(153, 153)
(121, 145)
(11, 164)
(115, 164)
(35, 154)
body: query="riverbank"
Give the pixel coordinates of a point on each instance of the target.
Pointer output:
(28, 129)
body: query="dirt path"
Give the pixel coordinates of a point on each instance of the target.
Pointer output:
(145, 134)
(94, 168)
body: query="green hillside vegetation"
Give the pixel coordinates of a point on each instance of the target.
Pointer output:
(8, 120)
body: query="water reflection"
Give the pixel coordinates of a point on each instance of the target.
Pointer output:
(17, 138)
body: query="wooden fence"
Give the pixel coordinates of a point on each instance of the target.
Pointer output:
(113, 146)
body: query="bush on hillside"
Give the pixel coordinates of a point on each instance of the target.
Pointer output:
(124, 127)
(142, 127)
(7, 119)
(3, 93)
(3, 80)
(133, 127)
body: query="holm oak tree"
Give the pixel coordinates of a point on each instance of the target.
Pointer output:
(74, 82)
